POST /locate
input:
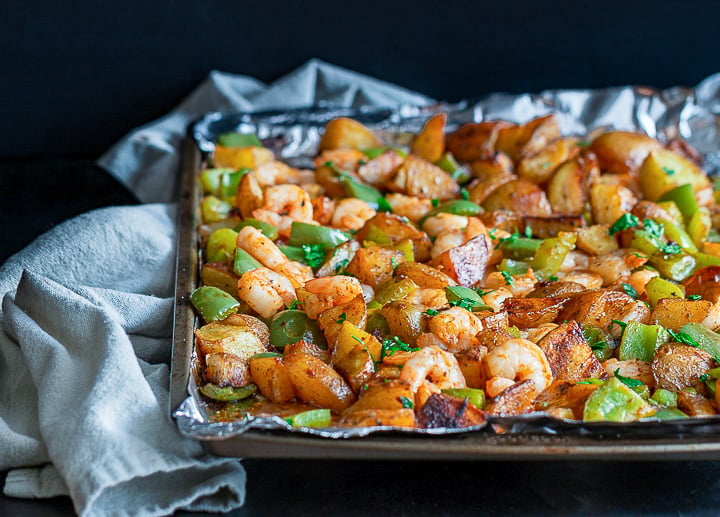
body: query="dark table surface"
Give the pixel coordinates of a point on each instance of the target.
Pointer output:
(37, 195)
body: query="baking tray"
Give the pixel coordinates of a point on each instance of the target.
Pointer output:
(528, 439)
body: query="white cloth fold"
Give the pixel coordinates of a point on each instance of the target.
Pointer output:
(87, 319)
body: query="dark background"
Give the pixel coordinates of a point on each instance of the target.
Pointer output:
(76, 77)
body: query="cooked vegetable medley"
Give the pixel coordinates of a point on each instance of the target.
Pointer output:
(497, 269)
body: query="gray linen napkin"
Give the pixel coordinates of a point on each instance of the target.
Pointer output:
(87, 320)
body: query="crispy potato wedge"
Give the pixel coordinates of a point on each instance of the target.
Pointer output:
(379, 417)
(673, 313)
(704, 283)
(480, 189)
(520, 196)
(474, 141)
(610, 202)
(695, 405)
(533, 312)
(540, 167)
(442, 410)
(346, 133)
(515, 400)
(595, 240)
(471, 364)
(237, 158)
(465, 264)
(271, 378)
(663, 170)
(249, 195)
(552, 289)
(676, 367)
(569, 355)
(565, 394)
(406, 320)
(255, 325)
(420, 178)
(490, 338)
(496, 166)
(331, 320)
(227, 370)
(398, 229)
(424, 276)
(391, 395)
(306, 347)
(600, 307)
(318, 383)
(568, 187)
(374, 265)
(429, 144)
(380, 169)
(551, 226)
(528, 139)
(240, 341)
(502, 220)
(357, 366)
(351, 336)
(622, 152)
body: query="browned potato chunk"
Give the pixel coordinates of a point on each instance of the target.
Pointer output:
(391, 395)
(424, 276)
(622, 152)
(600, 307)
(406, 320)
(240, 341)
(490, 338)
(479, 190)
(664, 170)
(550, 289)
(649, 210)
(595, 240)
(255, 325)
(350, 337)
(540, 167)
(249, 195)
(374, 265)
(673, 313)
(528, 139)
(520, 196)
(331, 320)
(227, 370)
(398, 229)
(380, 169)
(465, 264)
(679, 366)
(610, 202)
(695, 405)
(545, 227)
(569, 355)
(357, 366)
(565, 394)
(515, 400)
(429, 144)
(346, 133)
(502, 220)
(379, 417)
(271, 378)
(471, 364)
(496, 166)
(317, 383)
(704, 283)
(533, 312)
(305, 347)
(241, 157)
(567, 189)
(420, 178)
(222, 276)
(442, 410)
(474, 141)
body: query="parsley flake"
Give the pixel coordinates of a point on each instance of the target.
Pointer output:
(620, 324)
(627, 381)
(683, 337)
(624, 222)
(553, 278)
(672, 248)
(694, 297)
(508, 279)
(293, 305)
(393, 264)
(464, 194)
(314, 254)
(406, 402)
(395, 344)
(528, 232)
(704, 377)
(431, 312)
(630, 291)
(583, 143)
(654, 228)
(435, 202)
(491, 233)
(341, 265)
(599, 346)
(383, 205)
(465, 303)
(342, 318)
(668, 171)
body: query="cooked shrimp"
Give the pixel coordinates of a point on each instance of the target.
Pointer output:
(616, 265)
(457, 327)
(496, 385)
(447, 240)
(429, 339)
(574, 261)
(443, 223)
(519, 359)
(297, 273)
(633, 368)
(441, 368)
(712, 320)
(630, 310)
(519, 285)
(284, 204)
(584, 278)
(274, 173)
(639, 279)
(408, 206)
(430, 298)
(260, 247)
(535, 334)
(496, 297)
(323, 209)
(368, 293)
(323, 293)
(351, 214)
(265, 291)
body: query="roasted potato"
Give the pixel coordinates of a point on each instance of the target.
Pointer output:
(374, 265)
(663, 170)
(442, 410)
(569, 355)
(318, 383)
(406, 320)
(600, 307)
(595, 240)
(515, 400)
(312, 349)
(528, 139)
(331, 320)
(695, 405)
(704, 283)
(471, 364)
(520, 196)
(551, 226)
(568, 187)
(391, 395)
(610, 202)
(474, 141)
(249, 195)
(420, 178)
(429, 144)
(622, 152)
(271, 378)
(480, 189)
(380, 169)
(533, 312)
(346, 133)
(379, 417)
(241, 157)
(222, 276)
(540, 167)
(466, 263)
(565, 394)
(676, 367)
(398, 229)
(493, 167)
(673, 313)
(423, 275)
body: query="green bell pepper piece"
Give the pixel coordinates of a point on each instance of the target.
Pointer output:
(376, 322)
(377, 236)
(615, 402)
(551, 253)
(684, 198)
(221, 246)
(211, 180)
(315, 418)
(639, 341)
(366, 193)
(235, 139)
(395, 290)
(704, 260)
(449, 164)
(520, 248)
(600, 342)
(455, 207)
(699, 226)
(675, 233)
(705, 338)
(293, 253)
(268, 230)
(514, 267)
(290, 326)
(475, 396)
(244, 262)
(228, 393)
(305, 233)
(213, 209)
(658, 288)
(675, 267)
(213, 304)
(647, 242)
(665, 397)
(374, 152)
(714, 373)
(669, 414)
(466, 298)
(266, 355)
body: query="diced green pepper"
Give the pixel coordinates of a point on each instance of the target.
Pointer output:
(210, 180)
(475, 396)
(305, 233)
(452, 167)
(266, 355)
(684, 198)
(714, 373)
(455, 207)
(293, 253)
(244, 262)
(290, 326)
(647, 242)
(374, 152)
(658, 288)
(551, 253)
(676, 234)
(615, 402)
(354, 188)
(639, 341)
(669, 414)
(314, 418)
(221, 246)
(239, 140)
(213, 209)
(377, 236)
(675, 267)
(520, 248)
(267, 229)
(599, 340)
(514, 267)
(376, 322)
(665, 397)
(699, 226)
(395, 290)
(213, 304)
(228, 393)
(705, 338)
(466, 298)
(705, 259)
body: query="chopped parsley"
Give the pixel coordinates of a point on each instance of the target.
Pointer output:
(464, 194)
(314, 254)
(510, 240)
(465, 303)
(627, 381)
(624, 222)
(704, 377)
(668, 171)
(383, 205)
(545, 165)
(457, 174)
(435, 202)
(395, 344)
(683, 337)
(620, 324)
(599, 346)
(358, 340)
(583, 143)
(508, 278)
(342, 318)
(431, 312)
(491, 233)
(694, 297)
(393, 263)
(293, 305)
(406, 402)
(630, 291)
(553, 278)
(672, 248)
(528, 232)
(341, 265)
(653, 228)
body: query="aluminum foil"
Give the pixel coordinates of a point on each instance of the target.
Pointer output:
(690, 113)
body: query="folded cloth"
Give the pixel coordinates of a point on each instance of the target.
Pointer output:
(87, 320)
